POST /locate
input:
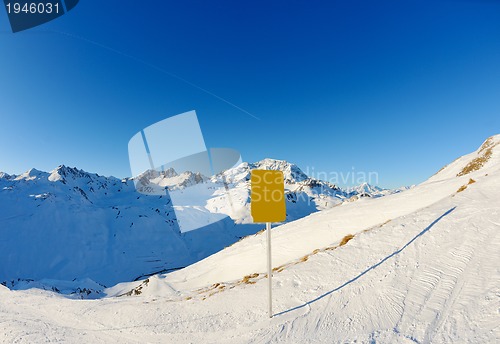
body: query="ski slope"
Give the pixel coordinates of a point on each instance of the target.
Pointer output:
(422, 267)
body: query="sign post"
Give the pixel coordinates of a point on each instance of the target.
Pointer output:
(269, 270)
(268, 205)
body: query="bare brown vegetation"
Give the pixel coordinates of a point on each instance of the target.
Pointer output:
(279, 268)
(346, 239)
(137, 290)
(248, 278)
(477, 163)
(253, 278)
(462, 188)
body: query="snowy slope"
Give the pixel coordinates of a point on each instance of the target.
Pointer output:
(69, 224)
(301, 237)
(422, 267)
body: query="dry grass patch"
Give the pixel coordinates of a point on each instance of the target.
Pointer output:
(252, 278)
(248, 278)
(213, 289)
(462, 188)
(378, 226)
(476, 164)
(137, 290)
(386, 222)
(346, 239)
(279, 268)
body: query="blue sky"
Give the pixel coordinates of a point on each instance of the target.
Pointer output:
(396, 87)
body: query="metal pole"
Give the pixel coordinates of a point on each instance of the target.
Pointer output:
(269, 269)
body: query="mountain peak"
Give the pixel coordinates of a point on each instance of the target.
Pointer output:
(366, 189)
(5, 175)
(31, 174)
(292, 173)
(62, 172)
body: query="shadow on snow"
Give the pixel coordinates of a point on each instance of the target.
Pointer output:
(371, 267)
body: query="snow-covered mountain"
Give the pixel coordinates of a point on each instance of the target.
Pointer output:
(418, 266)
(70, 224)
(368, 190)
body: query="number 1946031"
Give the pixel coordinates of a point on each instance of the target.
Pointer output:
(32, 8)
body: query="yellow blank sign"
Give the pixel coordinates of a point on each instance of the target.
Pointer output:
(267, 202)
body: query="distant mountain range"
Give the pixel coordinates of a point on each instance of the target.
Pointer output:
(70, 224)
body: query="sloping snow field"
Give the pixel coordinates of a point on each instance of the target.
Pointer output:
(423, 266)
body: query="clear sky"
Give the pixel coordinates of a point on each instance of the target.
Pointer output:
(396, 87)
